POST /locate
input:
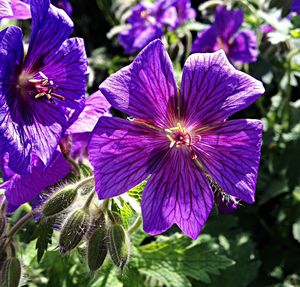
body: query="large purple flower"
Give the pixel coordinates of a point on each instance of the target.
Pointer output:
(23, 188)
(181, 142)
(78, 135)
(148, 20)
(42, 94)
(223, 34)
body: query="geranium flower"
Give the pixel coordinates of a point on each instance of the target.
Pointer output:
(182, 143)
(42, 94)
(78, 135)
(295, 6)
(148, 21)
(19, 189)
(223, 34)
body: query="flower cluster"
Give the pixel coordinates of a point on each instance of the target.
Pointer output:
(241, 47)
(148, 21)
(183, 144)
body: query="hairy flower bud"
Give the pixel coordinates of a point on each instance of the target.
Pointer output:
(60, 201)
(97, 220)
(119, 245)
(11, 271)
(97, 249)
(73, 230)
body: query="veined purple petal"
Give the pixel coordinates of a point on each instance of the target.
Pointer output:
(212, 90)
(95, 106)
(50, 28)
(146, 89)
(228, 22)
(177, 193)
(11, 55)
(123, 153)
(244, 47)
(206, 41)
(5, 8)
(230, 153)
(23, 188)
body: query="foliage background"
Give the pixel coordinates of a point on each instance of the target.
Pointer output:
(259, 245)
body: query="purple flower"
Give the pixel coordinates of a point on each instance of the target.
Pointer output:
(80, 132)
(295, 7)
(241, 47)
(43, 94)
(63, 4)
(180, 142)
(23, 188)
(148, 20)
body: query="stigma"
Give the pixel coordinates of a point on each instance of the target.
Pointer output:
(179, 136)
(45, 88)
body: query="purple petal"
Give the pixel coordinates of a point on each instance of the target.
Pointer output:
(23, 188)
(228, 22)
(63, 4)
(206, 41)
(185, 11)
(295, 7)
(95, 106)
(146, 89)
(11, 55)
(123, 154)
(177, 193)
(244, 47)
(50, 28)
(230, 153)
(137, 37)
(5, 8)
(212, 89)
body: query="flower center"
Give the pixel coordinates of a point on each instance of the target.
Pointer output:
(39, 85)
(179, 136)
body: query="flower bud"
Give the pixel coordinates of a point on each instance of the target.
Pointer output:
(73, 230)
(60, 201)
(97, 220)
(118, 245)
(11, 271)
(97, 249)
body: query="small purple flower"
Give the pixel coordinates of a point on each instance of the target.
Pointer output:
(239, 47)
(42, 94)
(148, 20)
(23, 188)
(295, 7)
(180, 142)
(80, 132)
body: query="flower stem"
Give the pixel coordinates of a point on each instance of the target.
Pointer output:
(135, 226)
(20, 223)
(89, 199)
(84, 182)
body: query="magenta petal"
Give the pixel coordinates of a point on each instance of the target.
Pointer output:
(5, 8)
(146, 89)
(23, 188)
(244, 48)
(21, 10)
(177, 193)
(230, 153)
(123, 153)
(212, 89)
(228, 22)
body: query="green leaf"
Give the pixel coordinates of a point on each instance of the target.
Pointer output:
(43, 233)
(172, 261)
